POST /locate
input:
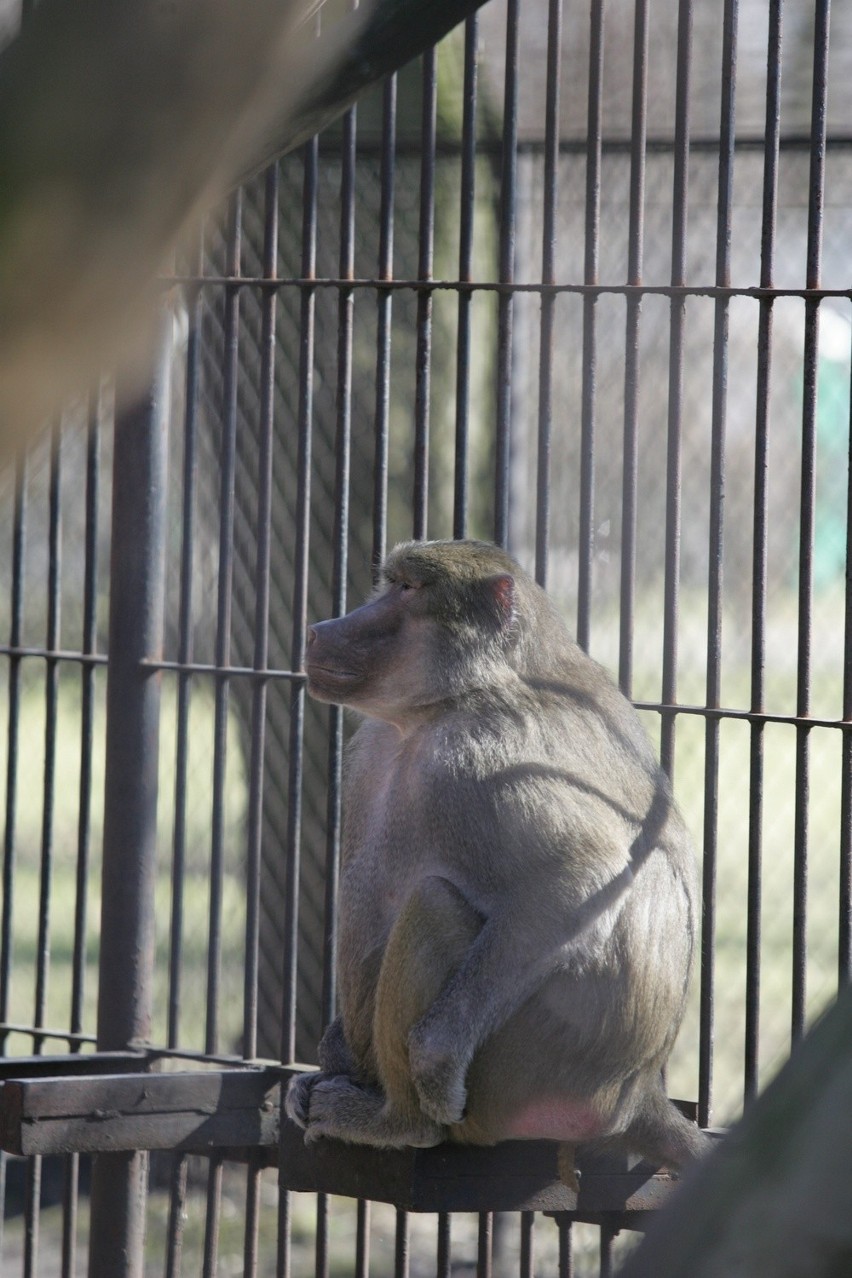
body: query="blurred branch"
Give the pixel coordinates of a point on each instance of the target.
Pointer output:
(120, 122)
(775, 1200)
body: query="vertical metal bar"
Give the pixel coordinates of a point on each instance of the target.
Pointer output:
(297, 654)
(607, 1236)
(185, 649)
(341, 549)
(586, 533)
(566, 1250)
(444, 1262)
(384, 303)
(227, 470)
(760, 550)
(423, 358)
(678, 320)
(806, 515)
(467, 210)
(321, 1266)
(32, 1207)
(252, 1232)
(401, 1245)
(19, 532)
(527, 1254)
(548, 276)
(210, 1259)
(4, 1162)
(87, 713)
(284, 1251)
(844, 964)
(261, 615)
(300, 605)
(636, 238)
(485, 1245)
(362, 1240)
(177, 1208)
(70, 1202)
(716, 547)
(130, 797)
(54, 603)
(506, 301)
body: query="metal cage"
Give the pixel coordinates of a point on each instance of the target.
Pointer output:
(576, 282)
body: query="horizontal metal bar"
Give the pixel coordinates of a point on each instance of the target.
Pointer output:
(70, 1064)
(42, 1032)
(747, 716)
(224, 672)
(206, 1110)
(485, 147)
(55, 654)
(713, 291)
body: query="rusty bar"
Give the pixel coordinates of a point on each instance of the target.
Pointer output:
(130, 796)
(548, 276)
(467, 212)
(425, 265)
(586, 533)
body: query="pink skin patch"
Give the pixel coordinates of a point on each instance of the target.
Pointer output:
(555, 1118)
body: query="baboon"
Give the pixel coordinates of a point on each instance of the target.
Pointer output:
(517, 897)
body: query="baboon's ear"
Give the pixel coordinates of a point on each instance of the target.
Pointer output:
(501, 592)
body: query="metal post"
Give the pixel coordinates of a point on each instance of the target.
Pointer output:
(130, 799)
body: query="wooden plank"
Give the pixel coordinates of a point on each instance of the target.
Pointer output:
(204, 1110)
(237, 1109)
(513, 1176)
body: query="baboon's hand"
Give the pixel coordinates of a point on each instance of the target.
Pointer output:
(438, 1074)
